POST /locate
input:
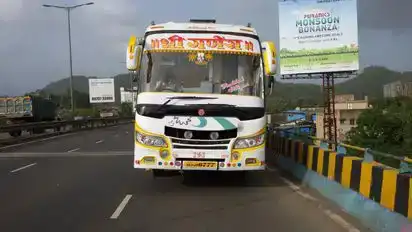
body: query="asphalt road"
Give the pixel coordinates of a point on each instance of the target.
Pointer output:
(85, 182)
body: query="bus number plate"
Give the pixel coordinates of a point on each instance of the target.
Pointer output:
(199, 164)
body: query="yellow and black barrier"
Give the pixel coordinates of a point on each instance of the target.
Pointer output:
(381, 184)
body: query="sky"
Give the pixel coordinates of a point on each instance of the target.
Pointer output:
(34, 40)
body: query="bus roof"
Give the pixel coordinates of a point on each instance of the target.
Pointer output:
(172, 26)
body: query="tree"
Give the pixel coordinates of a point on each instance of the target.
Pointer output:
(385, 128)
(126, 109)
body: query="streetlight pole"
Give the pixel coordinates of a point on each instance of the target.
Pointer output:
(68, 10)
(71, 62)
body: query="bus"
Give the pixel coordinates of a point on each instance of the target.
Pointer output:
(202, 97)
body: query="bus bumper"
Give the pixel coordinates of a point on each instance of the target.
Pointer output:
(248, 160)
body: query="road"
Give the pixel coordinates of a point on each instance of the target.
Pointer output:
(73, 184)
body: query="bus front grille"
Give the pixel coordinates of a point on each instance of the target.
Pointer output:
(200, 144)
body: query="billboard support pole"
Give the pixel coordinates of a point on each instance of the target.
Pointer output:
(329, 117)
(328, 91)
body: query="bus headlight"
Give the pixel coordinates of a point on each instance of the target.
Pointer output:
(248, 142)
(150, 140)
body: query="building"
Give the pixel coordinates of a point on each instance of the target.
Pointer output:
(397, 89)
(347, 112)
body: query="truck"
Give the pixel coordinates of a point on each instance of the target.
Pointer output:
(26, 109)
(109, 112)
(201, 104)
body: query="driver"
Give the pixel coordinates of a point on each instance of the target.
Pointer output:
(169, 82)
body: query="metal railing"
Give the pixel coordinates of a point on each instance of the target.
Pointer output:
(54, 124)
(38, 130)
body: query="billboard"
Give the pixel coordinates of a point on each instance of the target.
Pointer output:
(101, 90)
(126, 96)
(318, 36)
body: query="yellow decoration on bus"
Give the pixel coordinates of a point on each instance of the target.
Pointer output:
(269, 58)
(200, 58)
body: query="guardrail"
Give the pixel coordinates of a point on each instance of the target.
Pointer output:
(403, 163)
(57, 128)
(56, 124)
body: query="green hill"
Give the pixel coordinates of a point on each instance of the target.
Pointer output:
(369, 83)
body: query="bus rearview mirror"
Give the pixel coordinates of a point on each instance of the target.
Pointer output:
(269, 58)
(133, 54)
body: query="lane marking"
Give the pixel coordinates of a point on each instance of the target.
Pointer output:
(24, 167)
(73, 150)
(340, 221)
(99, 141)
(120, 208)
(294, 187)
(334, 217)
(36, 141)
(50, 138)
(298, 190)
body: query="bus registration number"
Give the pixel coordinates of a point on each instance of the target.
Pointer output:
(199, 164)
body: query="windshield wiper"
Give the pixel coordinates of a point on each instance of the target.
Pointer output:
(169, 99)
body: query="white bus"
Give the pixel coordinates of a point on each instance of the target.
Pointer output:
(201, 102)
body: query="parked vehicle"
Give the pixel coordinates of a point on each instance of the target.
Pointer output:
(26, 109)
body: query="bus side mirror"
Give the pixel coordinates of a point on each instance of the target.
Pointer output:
(269, 60)
(134, 53)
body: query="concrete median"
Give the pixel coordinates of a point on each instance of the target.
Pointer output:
(380, 197)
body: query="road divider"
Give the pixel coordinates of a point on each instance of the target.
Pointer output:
(379, 196)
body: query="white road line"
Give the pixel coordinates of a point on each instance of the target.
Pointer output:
(298, 190)
(120, 208)
(24, 167)
(335, 217)
(73, 150)
(339, 220)
(99, 141)
(271, 169)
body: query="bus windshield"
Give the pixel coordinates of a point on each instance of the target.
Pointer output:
(200, 72)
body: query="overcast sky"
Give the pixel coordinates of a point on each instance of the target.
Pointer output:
(34, 42)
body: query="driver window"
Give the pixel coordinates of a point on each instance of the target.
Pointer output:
(245, 75)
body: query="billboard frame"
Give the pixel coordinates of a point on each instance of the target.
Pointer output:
(328, 90)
